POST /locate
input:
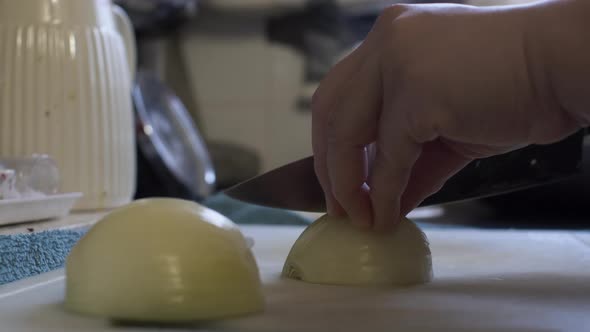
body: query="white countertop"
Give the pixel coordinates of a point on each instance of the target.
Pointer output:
(485, 280)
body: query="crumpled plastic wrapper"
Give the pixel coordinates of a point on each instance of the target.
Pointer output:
(8, 184)
(28, 177)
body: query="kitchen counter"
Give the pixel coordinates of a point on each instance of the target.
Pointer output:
(489, 276)
(484, 280)
(32, 248)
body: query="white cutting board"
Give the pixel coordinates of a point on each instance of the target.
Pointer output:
(484, 281)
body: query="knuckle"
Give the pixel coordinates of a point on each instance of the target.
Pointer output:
(390, 19)
(393, 30)
(426, 121)
(392, 12)
(421, 126)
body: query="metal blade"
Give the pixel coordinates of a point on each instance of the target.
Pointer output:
(292, 187)
(296, 187)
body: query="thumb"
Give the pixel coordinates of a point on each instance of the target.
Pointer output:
(437, 163)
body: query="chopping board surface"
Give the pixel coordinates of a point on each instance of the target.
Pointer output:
(484, 281)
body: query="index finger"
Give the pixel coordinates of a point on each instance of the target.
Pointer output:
(324, 102)
(351, 129)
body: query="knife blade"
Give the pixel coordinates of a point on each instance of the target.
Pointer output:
(295, 186)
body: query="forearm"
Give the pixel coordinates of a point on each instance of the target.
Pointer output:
(559, 34)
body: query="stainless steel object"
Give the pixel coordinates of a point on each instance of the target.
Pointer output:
(169, 140)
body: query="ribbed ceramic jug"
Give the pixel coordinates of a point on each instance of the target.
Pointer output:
(66, 71)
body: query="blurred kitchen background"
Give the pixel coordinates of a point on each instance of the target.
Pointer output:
(245, 71)
(224, 87)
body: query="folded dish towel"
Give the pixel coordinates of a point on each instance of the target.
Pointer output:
(25, 255)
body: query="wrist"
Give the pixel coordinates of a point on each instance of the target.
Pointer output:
(557, 37)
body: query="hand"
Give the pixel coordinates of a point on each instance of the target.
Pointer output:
(431, 88)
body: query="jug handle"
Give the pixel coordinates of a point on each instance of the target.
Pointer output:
(126, 30)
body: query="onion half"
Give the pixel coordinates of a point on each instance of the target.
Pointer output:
(163, 260)
(333, 251)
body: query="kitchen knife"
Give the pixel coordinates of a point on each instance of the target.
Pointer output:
(296, 187)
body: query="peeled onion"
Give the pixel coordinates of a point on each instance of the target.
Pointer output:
(163, 260)
(333, 251)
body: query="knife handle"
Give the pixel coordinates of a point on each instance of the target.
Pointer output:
(519, 169)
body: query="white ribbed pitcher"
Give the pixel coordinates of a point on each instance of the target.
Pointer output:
(66, 71)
